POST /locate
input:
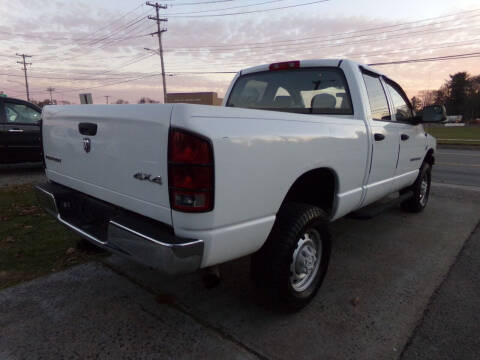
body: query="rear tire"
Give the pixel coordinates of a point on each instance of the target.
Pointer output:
(421, 190)
(291, 266)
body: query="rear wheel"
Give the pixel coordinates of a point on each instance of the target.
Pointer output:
(421, 190)
(291, 266)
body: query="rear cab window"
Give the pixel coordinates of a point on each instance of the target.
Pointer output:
(305, 90)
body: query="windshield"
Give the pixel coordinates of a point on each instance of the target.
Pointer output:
(306, 91)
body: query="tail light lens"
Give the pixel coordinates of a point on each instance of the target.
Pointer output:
(190, 172)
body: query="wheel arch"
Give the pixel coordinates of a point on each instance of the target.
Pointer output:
(316, 187)
(429, 157)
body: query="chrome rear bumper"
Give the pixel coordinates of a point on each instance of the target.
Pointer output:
(121, 232)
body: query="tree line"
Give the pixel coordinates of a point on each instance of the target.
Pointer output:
(460, 94)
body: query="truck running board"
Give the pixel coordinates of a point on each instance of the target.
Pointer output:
(377, 208)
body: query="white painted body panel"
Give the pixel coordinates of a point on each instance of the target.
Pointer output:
(129, 139)
(258, 155)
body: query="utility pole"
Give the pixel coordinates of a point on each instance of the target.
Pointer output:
(51, 90)
(106, 97)
(25, 71)
(159, 34)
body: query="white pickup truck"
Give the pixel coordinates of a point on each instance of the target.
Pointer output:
(295, 146)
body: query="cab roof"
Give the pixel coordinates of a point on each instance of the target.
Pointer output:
(310, 63)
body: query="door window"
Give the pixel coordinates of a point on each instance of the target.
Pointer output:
(20, 113)
(377, 98)
(403, 111)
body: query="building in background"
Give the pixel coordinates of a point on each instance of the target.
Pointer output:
(203, 98)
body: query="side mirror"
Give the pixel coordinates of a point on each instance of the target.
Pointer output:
(434, 114)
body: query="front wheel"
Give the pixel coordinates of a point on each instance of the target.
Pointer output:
(291, 266)
(421, 190)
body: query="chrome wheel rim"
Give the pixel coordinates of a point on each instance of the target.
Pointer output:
(306, 260)
(423, 191)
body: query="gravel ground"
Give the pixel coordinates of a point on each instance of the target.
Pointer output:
(21, 174)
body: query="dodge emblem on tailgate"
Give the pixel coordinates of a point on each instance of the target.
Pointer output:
(86, 145)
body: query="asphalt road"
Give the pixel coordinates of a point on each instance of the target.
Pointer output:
(457, 166)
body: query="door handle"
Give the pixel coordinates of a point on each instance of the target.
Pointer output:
(378, 137)
(15, 130)
(89, 129)
(404, 137)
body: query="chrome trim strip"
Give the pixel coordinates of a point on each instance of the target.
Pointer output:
(55, 213)
(80, 231)
(66, 223)
(123, 227)
(169, 258)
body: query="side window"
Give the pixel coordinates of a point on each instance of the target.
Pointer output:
(377, 98)
(402, 109)
(19, 113)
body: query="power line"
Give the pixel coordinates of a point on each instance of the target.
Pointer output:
(327, 45)
(116, 30)
(438, 58)
(121, 17)
(200, 3)
(224, 9)
(335, 36)
(126, 75)
(252, 11)
(449, 57)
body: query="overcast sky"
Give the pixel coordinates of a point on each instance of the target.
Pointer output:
(98, 46)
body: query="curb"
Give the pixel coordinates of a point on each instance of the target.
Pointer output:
(458, 146)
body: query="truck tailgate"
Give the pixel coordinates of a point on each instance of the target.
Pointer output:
(129, 140)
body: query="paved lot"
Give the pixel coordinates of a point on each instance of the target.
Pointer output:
(21, 174)
(392, 263)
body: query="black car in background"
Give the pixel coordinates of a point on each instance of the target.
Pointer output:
(20, 138)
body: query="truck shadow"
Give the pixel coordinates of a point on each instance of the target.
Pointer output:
(381, 276)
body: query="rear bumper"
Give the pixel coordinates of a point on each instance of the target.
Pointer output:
(119, 231)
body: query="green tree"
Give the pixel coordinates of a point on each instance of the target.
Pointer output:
(459, 88)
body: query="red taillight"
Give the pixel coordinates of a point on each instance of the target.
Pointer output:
(285, 65)
(190, 172)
